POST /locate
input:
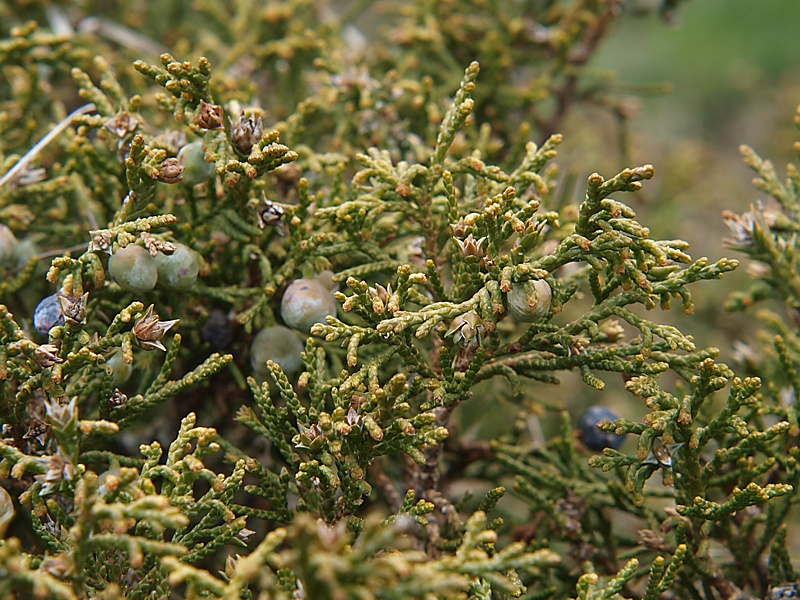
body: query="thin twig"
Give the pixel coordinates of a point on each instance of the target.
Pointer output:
(23, 162)
(386, 485)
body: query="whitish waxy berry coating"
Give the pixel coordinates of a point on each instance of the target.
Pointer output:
(178, 271)
(8, 245)
(278, 344)
(529, 301)
(594, 438)
(133, 269)
(48, 314)
(195, 168)
(25, 251)
(306, 302)
(7, 511)
(120, 370)
(326, 279)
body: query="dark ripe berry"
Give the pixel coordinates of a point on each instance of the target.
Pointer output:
(48, 314)
(133, 269)
(305, 302)
(218, 330)
(178, 271)
(784, 591)
(278, 344)
(594, 438)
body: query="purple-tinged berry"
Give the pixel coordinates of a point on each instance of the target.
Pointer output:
(48, 314)
(784, 591)
(278, 344)
(178, 271)
(133, 269)
(306, 302)
(594, 438)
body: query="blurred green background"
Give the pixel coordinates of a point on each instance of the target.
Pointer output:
(733, 72)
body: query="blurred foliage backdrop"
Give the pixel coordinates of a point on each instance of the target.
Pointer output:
(714, 75)
(722, 73)
(691, 89)
(733, 76)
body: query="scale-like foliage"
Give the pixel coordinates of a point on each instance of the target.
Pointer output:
(180, 214)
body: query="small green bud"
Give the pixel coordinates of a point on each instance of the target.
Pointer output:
(133, 269)
(178, 271)
(195, 168)
(278, 344)
(120, 370)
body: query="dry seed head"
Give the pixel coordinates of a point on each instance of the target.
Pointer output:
(209, 116)
(101, 241)
(269, 214)
(171, 171)
(61, 410)
(46, 355)
(154, 245)
(470, 246)
(122, 125)
(245, 133)
(117, 398)
(37, 431)
(466, 329)
(148, 330)
(73, 309)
